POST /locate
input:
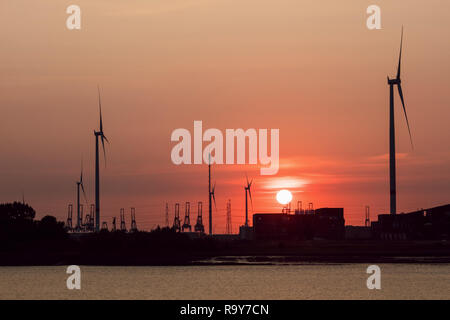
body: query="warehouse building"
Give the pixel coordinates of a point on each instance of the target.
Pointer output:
(323, 223)
(425, 224)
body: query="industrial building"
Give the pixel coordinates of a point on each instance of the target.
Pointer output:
(424, 224)
(358, 233)
(323, 223)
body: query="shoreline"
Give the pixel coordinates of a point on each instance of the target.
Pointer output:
(241, 253)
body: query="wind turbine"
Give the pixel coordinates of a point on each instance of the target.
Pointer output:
(211, 192)
(98, 134)
(248, 193)
(80, 184)
(392, 174)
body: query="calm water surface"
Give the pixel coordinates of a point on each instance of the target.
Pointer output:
(310, 281)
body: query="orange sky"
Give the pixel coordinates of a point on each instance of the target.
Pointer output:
(311, 69)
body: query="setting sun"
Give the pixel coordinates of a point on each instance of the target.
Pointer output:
(284, 196)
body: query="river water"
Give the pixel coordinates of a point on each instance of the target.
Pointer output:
(292, 281)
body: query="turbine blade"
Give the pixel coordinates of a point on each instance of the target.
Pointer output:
(84, 193)
(400, 56)
(251, 200)
(103, 146)
(213, 192)
(400, 92)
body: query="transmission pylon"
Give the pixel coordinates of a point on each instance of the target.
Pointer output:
(229, 228)
(167, 214)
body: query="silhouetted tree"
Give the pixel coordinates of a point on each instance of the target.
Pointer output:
(19, 231)
(16, 223)
(16, 211)
(50, 228)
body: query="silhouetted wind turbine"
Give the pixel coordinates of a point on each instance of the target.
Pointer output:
(248, 193)
(392, 174)
(80, 184)
(98, 134)
(211, 192)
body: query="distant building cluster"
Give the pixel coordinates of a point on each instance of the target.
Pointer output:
(323, 223)
(329, 224)
(425, 224)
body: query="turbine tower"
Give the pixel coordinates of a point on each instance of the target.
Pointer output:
(80, 184)
(392, 174)
(248, 193)
(211, 192)
(98, 134)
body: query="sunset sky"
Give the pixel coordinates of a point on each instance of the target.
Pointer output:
(311, 69)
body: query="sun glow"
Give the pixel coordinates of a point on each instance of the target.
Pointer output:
(284, 196)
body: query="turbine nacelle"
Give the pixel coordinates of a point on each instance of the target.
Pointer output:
(394, 81)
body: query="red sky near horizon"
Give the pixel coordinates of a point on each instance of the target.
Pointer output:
(312, 70)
